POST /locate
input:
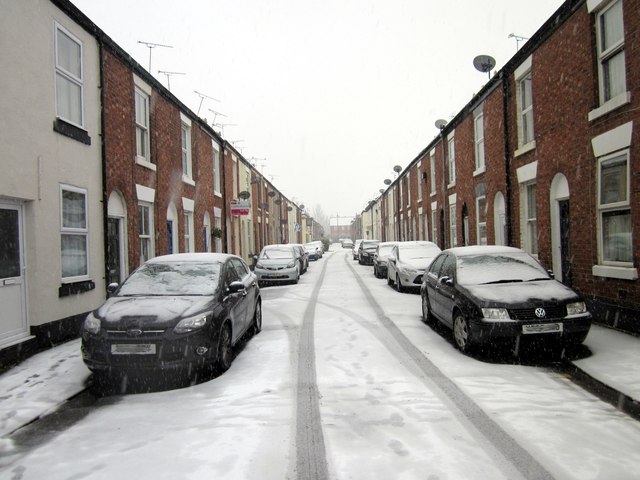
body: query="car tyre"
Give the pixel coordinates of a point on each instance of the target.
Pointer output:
(256, 326)
(389, 281)
(427, 316)
(225, 350)
(399, 286)
(462, 333)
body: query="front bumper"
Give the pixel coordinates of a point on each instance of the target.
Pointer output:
(275, 276)
(574, 329)
(171, 352)
(411, 279)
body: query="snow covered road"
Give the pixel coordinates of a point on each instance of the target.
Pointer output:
(344, 382)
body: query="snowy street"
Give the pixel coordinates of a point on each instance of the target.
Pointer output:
(344, 382)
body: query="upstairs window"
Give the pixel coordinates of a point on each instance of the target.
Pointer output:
(611, 58)
(478, 122)
(526, 110)
(142, 125)
(217, 190)
(451, 160)
(185, 131)
(69, 78)
(432, 167)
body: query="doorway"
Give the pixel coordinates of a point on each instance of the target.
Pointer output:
(13, 323)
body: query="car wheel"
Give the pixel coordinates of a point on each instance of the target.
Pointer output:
(427, 316)
(225, 349)
(461, 333)
(399, 286)
(389, 281)
(257, 319)
(375, 272)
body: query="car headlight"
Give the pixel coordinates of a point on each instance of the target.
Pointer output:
(496, 314)
(576, 308)
(92, 324)
(259, 265)
(187, 325)
(292, 264)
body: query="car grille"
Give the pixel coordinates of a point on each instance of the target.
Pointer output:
(529, 314)
(274, 268)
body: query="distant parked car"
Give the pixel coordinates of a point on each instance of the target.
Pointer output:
(356, 246)
(312, 252)
(407, 263)
(366, 250)
(491, 293)
(319, 245)
(303, 257)
(346, 243)
(383, 250)
(181, 311)
(278, 264)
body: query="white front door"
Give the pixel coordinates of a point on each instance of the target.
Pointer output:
(13, 317)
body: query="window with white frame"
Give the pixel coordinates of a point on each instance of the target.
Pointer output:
(69, 77)
(531, 222)
(420, 180)
(451, 159)
(74, 233)
(453, 232)
(408, 188)
(434, 222)
(611, 56)
(481, 219)
(526, 110)
(188, 232)
(142, 125)
(145, 230)
(217, 190)
(185, 134)
(614, 209)
(432, 166)
(478, 122)
(217, 217)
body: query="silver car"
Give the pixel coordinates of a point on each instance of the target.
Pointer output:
(380, 259)
(277, 264)
(408, 262)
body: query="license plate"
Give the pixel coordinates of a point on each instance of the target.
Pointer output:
(133, 349)
(542, 328)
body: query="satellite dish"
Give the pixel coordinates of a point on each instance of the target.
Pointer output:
(302, 206)
(397, 169)
(484, 63)
(381, 190)
(272, 194)
(289, 209)
(244, 195)
(387, 181)
(440, 123)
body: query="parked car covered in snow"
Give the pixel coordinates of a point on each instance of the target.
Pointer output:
(407, 263)
(366, 250)
(181, 311)
(383, 250)
(490, 293)
(278, 264)
(356, 246)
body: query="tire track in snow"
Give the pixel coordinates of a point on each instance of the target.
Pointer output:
(506, 445)
(311, 460)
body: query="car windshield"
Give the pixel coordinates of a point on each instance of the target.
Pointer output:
(369, 245)
(418, 252)
(172, 278)
(385, 249)
(500, 268)
(276, 253)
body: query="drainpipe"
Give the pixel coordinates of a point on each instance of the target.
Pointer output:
(103, 153)
(507, 158)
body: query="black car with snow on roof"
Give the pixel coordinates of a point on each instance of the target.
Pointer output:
(180, 311)
(490, 293)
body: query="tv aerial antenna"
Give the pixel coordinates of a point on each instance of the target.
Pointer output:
(484, 63)
(519, 39)
(202, 97)
(151, 46)
(215, 114)
(169, 74)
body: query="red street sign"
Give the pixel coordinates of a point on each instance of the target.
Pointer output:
(239, 208)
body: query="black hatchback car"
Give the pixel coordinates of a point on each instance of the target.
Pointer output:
(180, 311)
(491, 293)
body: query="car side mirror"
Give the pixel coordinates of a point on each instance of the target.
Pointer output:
(112, 288)
(446, 280)
(392, 258)
(235, 287)
(550, 272)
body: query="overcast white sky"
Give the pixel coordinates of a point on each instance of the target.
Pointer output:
(331, 93)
